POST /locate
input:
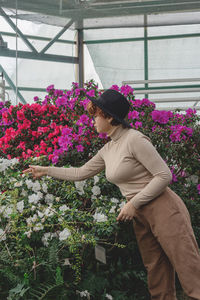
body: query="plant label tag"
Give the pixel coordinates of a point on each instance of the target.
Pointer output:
(100, 254)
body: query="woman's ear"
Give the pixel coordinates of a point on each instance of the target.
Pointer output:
(110, 119)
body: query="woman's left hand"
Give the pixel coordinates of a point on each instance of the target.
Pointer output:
(127, 212)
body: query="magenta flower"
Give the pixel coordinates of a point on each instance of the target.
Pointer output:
(84, 119)
(146, 102)
(161, 116)
(127, 90)
(138, 124)
(190, 112)
(91, 93)
(79, 148)
(62, 101)
(115, 87)
(180, 132)
(50, 88)
(84, 103)
(36, 98)
(174, 177)
(103, 136)
(75, 85)
(133, 114)
(198, 188)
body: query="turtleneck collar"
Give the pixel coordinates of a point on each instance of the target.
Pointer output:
(117, 132)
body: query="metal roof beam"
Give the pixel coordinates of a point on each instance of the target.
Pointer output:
(16, 29)
(39, 38)
(89, 9)
(38, 56)
(56, 37)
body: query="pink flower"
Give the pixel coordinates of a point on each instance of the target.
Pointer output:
(138, 124)
(174, 177)
(20, 115)
(190, 112)
(91, 93)
(161, 116)
(103, 136)
(79, 148)
(84, 119)
(198, 188)
(36, 99)
(127, 90)
(50, 88)
(115, 87)
(133, 115)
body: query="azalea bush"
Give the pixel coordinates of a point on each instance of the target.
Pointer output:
(49, 229)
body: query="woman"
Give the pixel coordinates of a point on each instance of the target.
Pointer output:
(160, 218)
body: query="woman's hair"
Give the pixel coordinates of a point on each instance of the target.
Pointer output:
(93, 109)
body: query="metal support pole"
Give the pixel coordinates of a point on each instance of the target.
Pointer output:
(146, 65)
(80, 58)
(2, 88)
(12, 85)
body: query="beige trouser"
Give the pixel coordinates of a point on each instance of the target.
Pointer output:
(167, 244)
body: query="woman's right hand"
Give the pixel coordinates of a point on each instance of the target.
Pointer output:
(36, 171)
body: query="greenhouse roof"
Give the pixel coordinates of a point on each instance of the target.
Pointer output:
(91, 14)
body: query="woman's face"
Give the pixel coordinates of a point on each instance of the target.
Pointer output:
(102, 124)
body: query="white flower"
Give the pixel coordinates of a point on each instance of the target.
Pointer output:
(79, 186)
(24, 193)
(31, 220)
(41, 215)
(38, 227)
(2, 235)
(36, 186)
(109, 297)
(48, 211)
(84, 294)
(20, 206)
(34, 218)
(44, 187)
(48, 236)
(18, 184)
(33, 207)
(49, 198)
(2, 208)
(96, 179)
(96, 190)
(28, 233)
(112, 210)
(63, 235)
(122, 204)
(34, 198)
(6, 163)
(114, 200)
(63, 207)
(7, 212)
(29, 183)
(45, 238)
(98, 217)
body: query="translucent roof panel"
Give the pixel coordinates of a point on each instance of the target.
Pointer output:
(115, 62)
(100, 13)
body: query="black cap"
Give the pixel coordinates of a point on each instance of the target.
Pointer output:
(114, 104)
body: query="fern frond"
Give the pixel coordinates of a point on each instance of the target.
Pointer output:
(42, 291)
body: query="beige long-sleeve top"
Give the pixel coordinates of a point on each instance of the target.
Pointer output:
(130, 161)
